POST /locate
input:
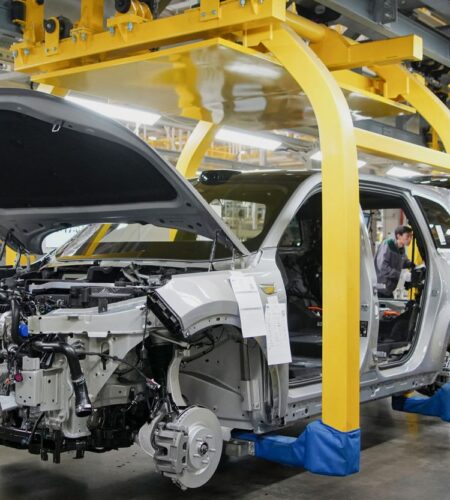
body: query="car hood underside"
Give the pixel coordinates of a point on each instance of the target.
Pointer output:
(65, 166)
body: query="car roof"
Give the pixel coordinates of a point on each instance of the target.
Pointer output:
(272, 175)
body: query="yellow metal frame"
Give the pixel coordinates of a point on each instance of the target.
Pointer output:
(187, 73)
(395, 149)
(319, 68)
(340, 351)
(195, 148)
(413, 89)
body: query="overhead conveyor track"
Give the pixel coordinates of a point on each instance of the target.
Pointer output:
(137, 52)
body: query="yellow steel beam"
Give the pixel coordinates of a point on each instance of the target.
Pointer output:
(335, 54)
(307, 29)
(361, 82)
(377, 101)
(338, 52)
(340, 202)
(387, 147)
(101, 233)
(89, 43)
(212, 18)
(33, 25)
(151, 34)
(209, 81)
(434, 142)
(91, 18)
(420, 96)
(11, 257)
(209, 9)
(195, 148)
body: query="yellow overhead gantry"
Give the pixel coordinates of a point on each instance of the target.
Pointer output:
(253, 64)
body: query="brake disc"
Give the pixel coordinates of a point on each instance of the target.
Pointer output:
(189, 448)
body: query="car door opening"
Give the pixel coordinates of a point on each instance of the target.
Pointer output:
(299, 258)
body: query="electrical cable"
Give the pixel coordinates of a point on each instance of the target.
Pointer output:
(35, 426)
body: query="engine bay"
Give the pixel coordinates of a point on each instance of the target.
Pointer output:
(78, 370)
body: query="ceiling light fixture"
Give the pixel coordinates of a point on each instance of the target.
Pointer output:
(123, 113)
(402, 172)
(317, 156)
(253, 141)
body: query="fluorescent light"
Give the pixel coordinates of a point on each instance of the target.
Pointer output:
(402, 172)
(254, 69)
(318, 157)
(123, 113)
(254, 141)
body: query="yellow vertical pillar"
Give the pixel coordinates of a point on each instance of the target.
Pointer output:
(195, 148)
(341, 231)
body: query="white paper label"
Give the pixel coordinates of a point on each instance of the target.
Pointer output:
(251, 310)
(278, 346)
(441, 234)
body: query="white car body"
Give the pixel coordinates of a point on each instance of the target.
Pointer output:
(211, 381)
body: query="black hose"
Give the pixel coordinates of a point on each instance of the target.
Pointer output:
(83, 405)
(15, 321)
(35, 426)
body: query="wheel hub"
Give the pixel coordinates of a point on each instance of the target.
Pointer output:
(189, 448)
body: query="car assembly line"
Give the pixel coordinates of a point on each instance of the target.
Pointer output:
(197, 312)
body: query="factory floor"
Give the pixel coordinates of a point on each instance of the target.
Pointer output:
(404, 457)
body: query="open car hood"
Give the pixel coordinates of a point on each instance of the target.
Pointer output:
(63, 166)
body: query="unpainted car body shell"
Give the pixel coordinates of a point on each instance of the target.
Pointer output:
(203, 299)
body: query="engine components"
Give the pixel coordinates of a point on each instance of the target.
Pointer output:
(83, 406)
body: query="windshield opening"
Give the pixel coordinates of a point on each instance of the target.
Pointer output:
(247, 203)
(138, 241)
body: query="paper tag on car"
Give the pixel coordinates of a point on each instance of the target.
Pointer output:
(251, 310)
(440, 234)
(277, 338)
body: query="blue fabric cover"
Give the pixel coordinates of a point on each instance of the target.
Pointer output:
(438, 405)
(320, 449)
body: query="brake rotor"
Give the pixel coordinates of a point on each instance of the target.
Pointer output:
(198, 450)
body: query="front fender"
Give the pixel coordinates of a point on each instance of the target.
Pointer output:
(201, 300)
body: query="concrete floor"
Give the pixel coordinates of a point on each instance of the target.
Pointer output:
(405, 457)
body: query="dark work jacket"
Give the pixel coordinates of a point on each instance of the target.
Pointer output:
(389, 261)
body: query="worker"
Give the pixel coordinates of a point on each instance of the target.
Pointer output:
(391, 258)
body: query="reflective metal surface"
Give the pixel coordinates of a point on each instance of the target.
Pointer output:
(215, 80)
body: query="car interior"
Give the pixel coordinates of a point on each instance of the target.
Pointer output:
(299, 259)
(399, 316)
